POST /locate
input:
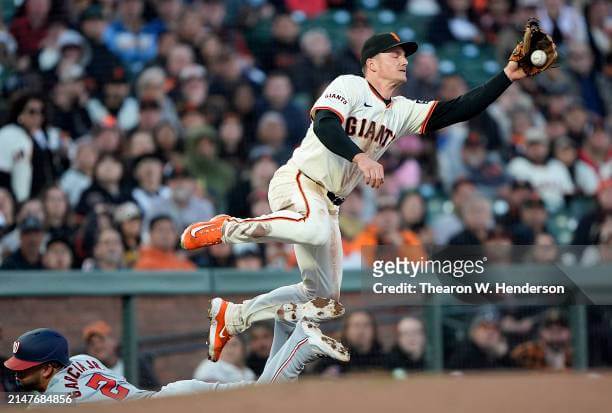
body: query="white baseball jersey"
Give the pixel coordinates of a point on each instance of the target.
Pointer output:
(86, 379)
(15, 159)
(368, 121)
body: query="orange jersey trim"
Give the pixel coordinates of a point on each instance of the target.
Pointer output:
(426, 121)
(314, 110)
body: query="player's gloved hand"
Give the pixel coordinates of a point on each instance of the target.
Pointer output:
(533, 39)
(373, 172)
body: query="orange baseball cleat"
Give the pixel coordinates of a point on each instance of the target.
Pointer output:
(203, 234)
(218, 335)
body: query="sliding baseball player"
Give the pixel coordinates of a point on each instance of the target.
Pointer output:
(41, 361)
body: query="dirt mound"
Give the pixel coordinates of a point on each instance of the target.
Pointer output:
(502, 393)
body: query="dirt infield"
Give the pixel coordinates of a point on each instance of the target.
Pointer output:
(498, 393)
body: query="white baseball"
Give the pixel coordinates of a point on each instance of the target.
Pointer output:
(538, 58)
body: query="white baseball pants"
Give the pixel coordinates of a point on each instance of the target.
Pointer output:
(304, 216)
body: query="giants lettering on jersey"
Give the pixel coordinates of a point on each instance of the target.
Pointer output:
(336, 96)
(369, 130)
(74, 372)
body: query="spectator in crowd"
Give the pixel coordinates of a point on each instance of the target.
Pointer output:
(101, 343)
(385, 230)
(166, 141)
(408, 352)
(248, 257)
(456, 23)
(449, 224)
(107, 137)
(169, 13)
(184, 202)
(413, 214)
(277, 96)
(597, 15)
(562, 21)
(58, 255)
(161, 253)
(481, 167)
(586, 80)
(219, 256)
(358, 32)
(24, 166)
(106, 187)
(230, 368)
(113, 103)
(351, 224)
(180, 57)
(57, 211)
(128, 219)
(262, 168)
(477, 218)
(360, 335)
(589, 227)
(283, 49)
(193, 86)
(155, 104)
(260, 337)
(130, 37)
(549, 177)
(78, 177)
(150, 194)
(102, 62)
(565, 152)
(28, 256)
(31, 208)
(31, 27)
(595, 161)
(318, 66)
(203, 162)
(545, 250)
(107, 252)
(487, 347)
(272, 134)
(424, 79)
(534, 216)
(551, 349)
(233, 140)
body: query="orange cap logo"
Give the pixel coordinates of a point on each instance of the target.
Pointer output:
(395, 36)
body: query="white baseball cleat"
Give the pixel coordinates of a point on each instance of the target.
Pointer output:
(318, 309)
(323, 345)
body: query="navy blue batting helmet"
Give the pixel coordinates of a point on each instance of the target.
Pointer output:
(36, 347)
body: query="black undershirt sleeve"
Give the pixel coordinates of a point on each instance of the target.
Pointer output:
(468, 105)
(328, 128)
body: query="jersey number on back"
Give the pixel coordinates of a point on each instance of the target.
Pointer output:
(107, 387)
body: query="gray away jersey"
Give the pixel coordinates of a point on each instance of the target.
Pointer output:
(86, 379)
(368, 121)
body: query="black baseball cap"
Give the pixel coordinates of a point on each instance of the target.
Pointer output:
(382, 42)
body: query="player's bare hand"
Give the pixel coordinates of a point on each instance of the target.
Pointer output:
(514, 72)
(373, 172)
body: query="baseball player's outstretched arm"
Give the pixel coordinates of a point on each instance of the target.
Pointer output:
(328, 128)
(468, 105)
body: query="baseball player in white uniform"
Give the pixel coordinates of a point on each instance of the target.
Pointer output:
(41, 361)
(354, 122)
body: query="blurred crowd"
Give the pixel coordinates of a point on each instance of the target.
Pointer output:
(124, 121)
